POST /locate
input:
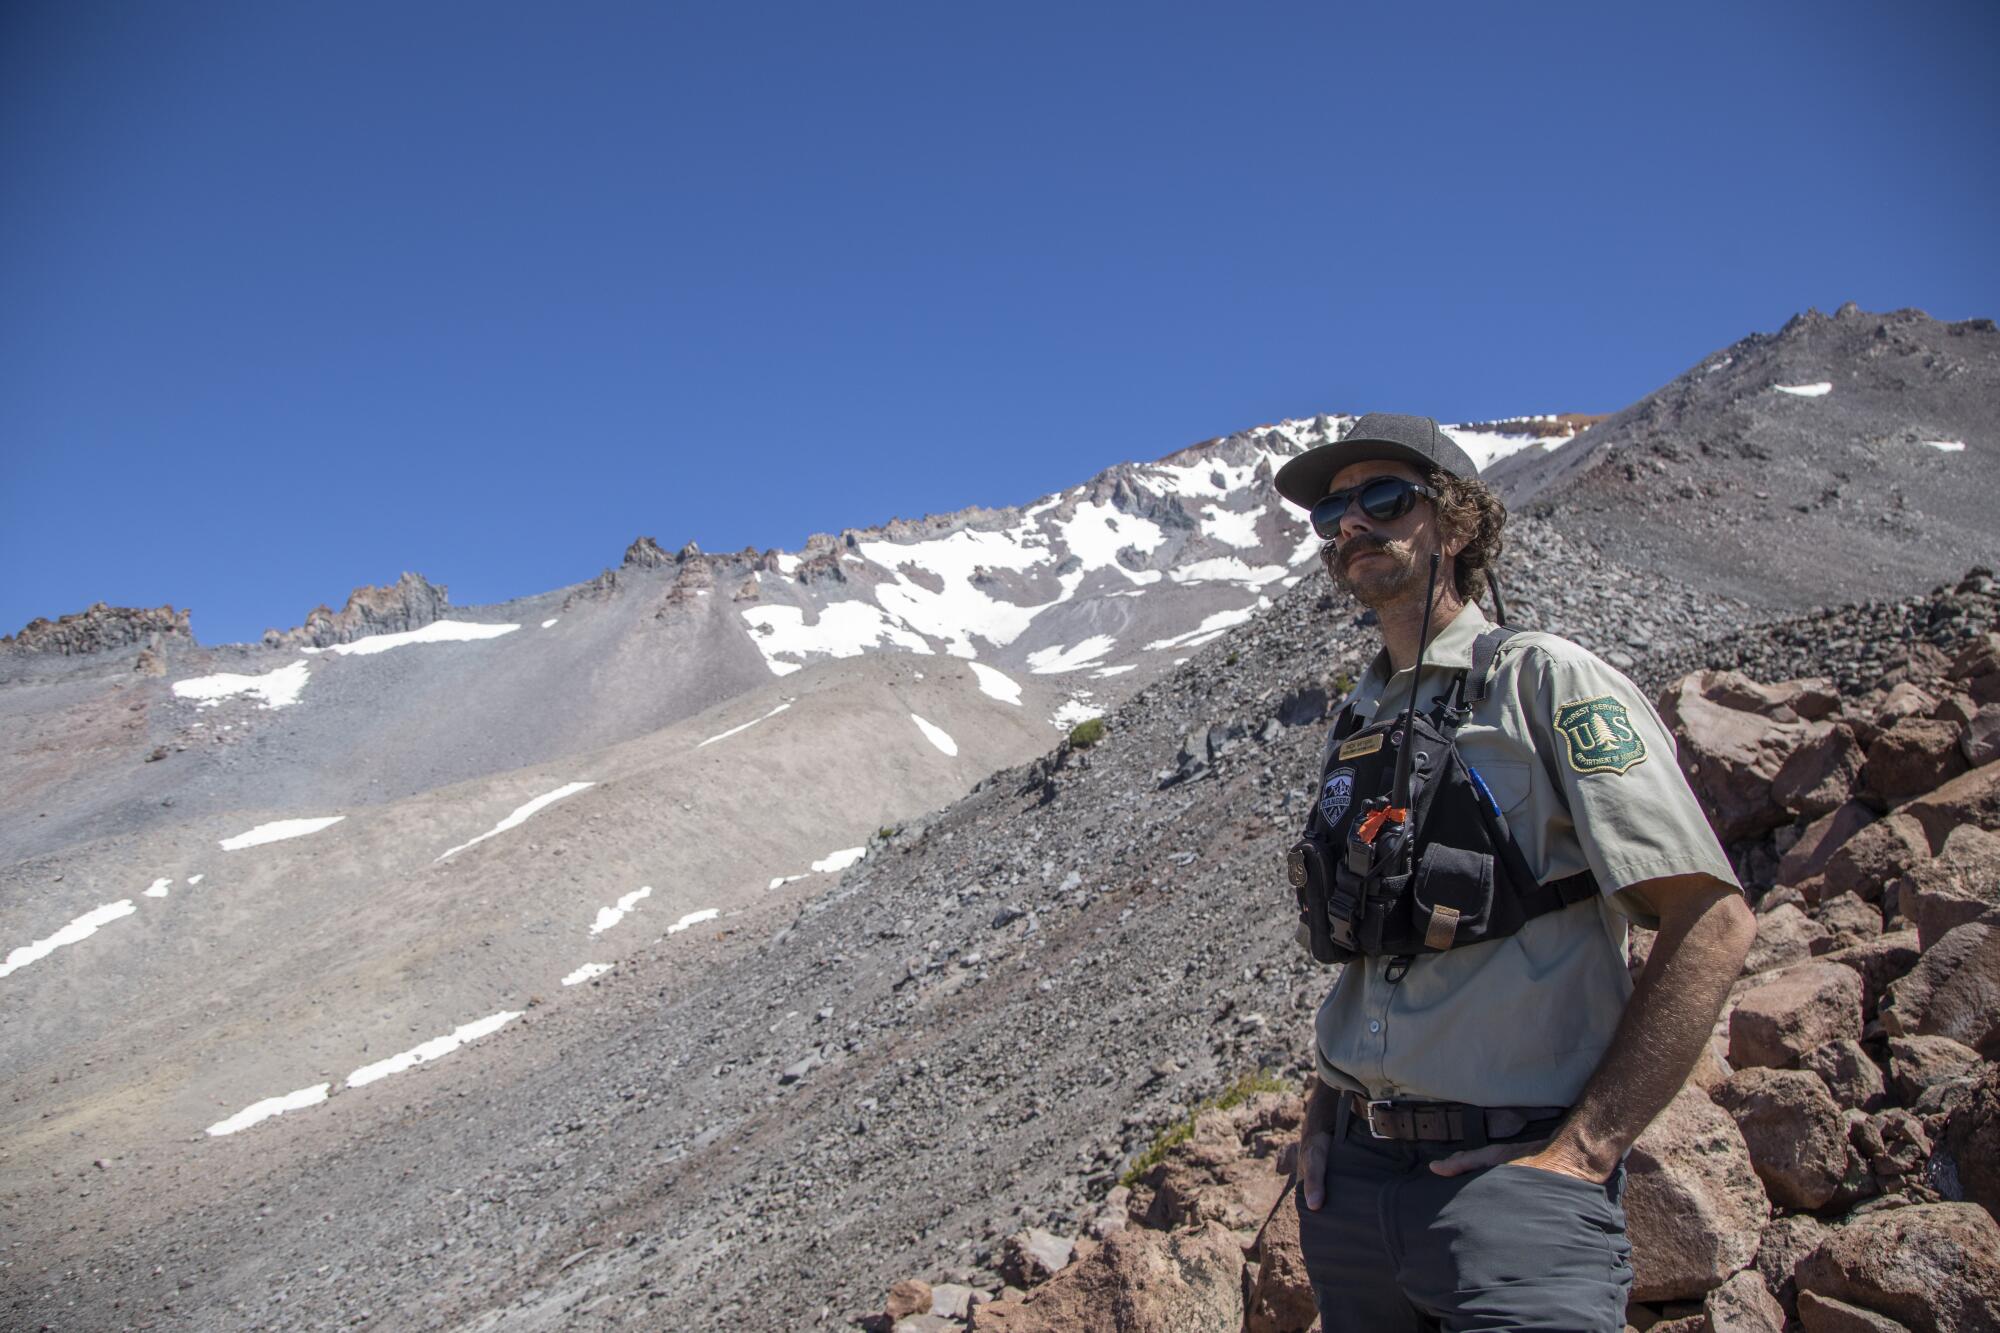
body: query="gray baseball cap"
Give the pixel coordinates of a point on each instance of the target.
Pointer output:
(1418, 441)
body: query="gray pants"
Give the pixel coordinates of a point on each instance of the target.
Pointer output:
(1398, 1249)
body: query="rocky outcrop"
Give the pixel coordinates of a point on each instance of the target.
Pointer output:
(411, 602)
(101, 628)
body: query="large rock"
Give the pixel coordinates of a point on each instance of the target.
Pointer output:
(1281, 1299)
(1969, 1144)
(1693, 1203)
(1849, 1074)
(1782, 1015)
(1166, 1281)
(1960, 884)
(910, 1296)
(1971, 798)
(1818, 777)
(1981, 742)
(1915, 1063)
(1794, 1131)
(1953, 991)
(1032, 1256)
(1785, 1241)
(1823, 1314)
(1730, 755)
(1744, 1305)
(1879, 963)
(1875, 857)
(1848, 920)
(1819, 840)
(1785, 936)
(1934, 1267)
(1911, 758)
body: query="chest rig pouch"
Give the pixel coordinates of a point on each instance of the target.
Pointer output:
(1439, 872)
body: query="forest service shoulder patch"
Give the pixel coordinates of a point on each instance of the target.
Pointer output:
(1598, 735)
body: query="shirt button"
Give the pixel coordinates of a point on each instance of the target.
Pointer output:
(1374, 1025)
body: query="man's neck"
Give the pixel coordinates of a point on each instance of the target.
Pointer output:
(1403, 622)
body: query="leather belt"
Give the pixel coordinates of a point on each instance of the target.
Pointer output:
(1448, 1122)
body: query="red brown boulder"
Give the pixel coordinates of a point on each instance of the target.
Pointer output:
(1730, 755)
(1953, 991)
(1960, 884)
(1694, 1206)
(1910, 758)
(1820, 840)
(1819, 775)
(1781, 1015)
(1971, 798)
(1141, 1279)
(1876, 856)
(1794, 1131)
(1934, 1267)
(1878, 962)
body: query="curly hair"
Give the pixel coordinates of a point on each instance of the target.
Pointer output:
(1468, 508)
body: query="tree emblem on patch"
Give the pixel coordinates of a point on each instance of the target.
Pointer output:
(1336, 796)
(1599, 735)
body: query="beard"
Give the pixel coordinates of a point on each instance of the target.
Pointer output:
(1378, 583)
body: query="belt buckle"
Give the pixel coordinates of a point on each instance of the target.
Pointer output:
(1368, 1110)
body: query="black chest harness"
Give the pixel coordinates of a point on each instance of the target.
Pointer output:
(1405, 850)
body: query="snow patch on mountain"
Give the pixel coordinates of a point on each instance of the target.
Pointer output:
(438, 631)
(520, 815)
(434, 1049)
(936, 735)
(80, 929)
(275, 689)
(278, 830)
(1819, 390)
(1054, 660)
(842, 629)
(997, 684)
(607, 917)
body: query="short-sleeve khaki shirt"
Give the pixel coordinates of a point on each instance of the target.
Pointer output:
(1586, 774)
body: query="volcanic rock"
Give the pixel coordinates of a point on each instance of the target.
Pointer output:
(411, 602)
(1824, 1314)
(98, 628)
(1188, 1281)
(1693, 1203)
(1850, 1075)
(1744, 1305)
(1793, 1129)
(1960, 884)
(1730, 755)
(1782, 1015)
(1818, 776)
(1878, 962)
(1933, 1267)
(1953, 991)
(1970, 1143)
(1820, 839)
(1911, 757)
(1915, 1063)
(1785, 935)
(1876, 855)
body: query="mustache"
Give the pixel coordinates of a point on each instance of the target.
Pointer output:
(1358, 545)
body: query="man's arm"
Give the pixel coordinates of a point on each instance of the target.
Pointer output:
(1706, 929)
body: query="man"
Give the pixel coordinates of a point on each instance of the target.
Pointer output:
(1461, 1159)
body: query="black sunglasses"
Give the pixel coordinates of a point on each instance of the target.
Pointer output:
(1381, 498)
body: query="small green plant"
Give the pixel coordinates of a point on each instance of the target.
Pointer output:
(885, 832)
(1231, 659)
(1087, 733)
(1179, 1132)
(1343, 683)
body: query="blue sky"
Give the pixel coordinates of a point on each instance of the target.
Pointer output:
(298, 297)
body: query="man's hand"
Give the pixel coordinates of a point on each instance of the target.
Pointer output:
(1539, 1155)
(1316, 1142)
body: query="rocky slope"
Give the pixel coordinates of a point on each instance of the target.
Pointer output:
(1842, 457)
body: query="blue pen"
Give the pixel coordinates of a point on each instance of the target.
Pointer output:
(1479, 785)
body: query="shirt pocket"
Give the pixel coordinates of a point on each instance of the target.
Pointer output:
(1509, 780)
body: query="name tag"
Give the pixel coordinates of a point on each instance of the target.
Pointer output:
(1361, 745)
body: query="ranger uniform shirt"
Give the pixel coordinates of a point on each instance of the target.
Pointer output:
(1586, 774)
